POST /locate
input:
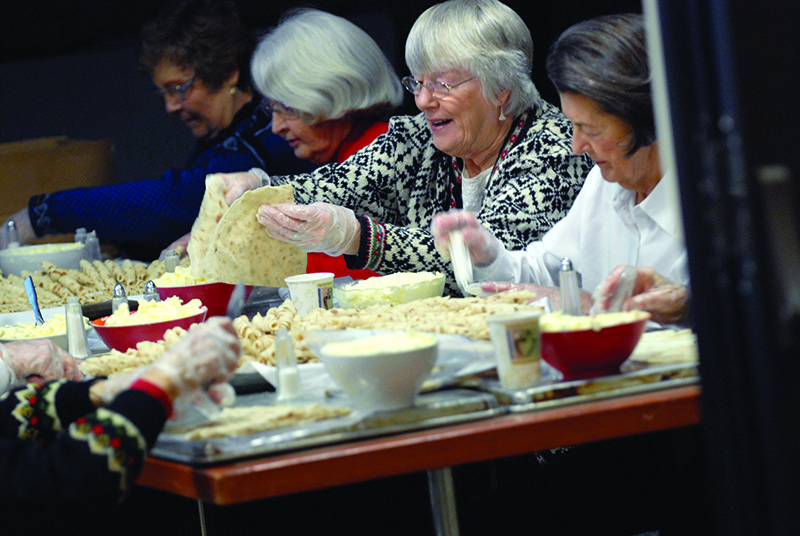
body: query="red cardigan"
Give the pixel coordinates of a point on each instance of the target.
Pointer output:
(320, 262)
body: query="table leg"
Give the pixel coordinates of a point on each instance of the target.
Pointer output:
(443, 501)
(202, 513)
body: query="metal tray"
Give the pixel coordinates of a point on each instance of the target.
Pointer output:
(432, 410)
(553, 393)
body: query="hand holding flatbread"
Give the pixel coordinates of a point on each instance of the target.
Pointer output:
(232, 246)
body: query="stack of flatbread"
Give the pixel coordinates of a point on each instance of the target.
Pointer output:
(229, 245)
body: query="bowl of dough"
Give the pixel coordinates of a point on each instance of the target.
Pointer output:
(378, 370)
(215, 295)
(30, 258)
(54, 329)
(395, 289)
(125, 329)
(590, 346)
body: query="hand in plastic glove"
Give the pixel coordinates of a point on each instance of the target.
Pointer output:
(179, 246)
(22, 219)
(38, 360)
(665, 300)
(483, 246)
(236, 184)
(320, 227)
(206, 355)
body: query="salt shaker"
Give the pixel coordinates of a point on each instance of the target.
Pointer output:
(77, 339)
(118, 298)
(150, 292)
(80, 235)
(570, 294)
(12, 235)
(171, 261)
(93, 246)
(286, 361)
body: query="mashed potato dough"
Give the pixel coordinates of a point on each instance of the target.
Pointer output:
(154, 311)
(44, 248)
(385, 343)
(561, 322)
(29, 330)
(181, 277)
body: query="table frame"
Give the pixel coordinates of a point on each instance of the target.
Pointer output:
(427, 450)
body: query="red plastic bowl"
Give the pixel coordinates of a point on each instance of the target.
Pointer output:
(215, 296)
(123, 337)
(590, 353)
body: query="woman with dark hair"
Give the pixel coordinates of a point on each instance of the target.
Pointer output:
(197, 53)
(624, 213)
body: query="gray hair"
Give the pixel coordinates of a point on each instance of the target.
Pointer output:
(605, 59)
(325, 67)
(484, 37)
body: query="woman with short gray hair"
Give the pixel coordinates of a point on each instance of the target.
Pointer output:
(484, 141)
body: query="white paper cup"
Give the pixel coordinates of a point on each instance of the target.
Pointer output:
(517, 341)
(311, 291)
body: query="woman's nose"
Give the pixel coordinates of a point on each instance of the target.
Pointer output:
(172, 104)
(278, 123)
(578, 142)
(424, 99)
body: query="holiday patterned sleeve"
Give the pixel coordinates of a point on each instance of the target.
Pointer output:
(56, 448)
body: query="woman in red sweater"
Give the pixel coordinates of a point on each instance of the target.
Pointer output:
(329, 89)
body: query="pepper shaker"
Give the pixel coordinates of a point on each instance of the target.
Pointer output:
(150, 292)
(12, 234)
(171, 261)
(77, 339)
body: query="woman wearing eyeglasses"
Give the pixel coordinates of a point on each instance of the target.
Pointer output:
(485, 141)
(197, 53)
(329, 89)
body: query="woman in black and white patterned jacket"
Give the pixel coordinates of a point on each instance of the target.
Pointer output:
(485, 142)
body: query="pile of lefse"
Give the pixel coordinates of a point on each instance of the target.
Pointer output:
(93, 283)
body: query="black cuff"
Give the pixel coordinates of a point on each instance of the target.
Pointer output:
(370, 247)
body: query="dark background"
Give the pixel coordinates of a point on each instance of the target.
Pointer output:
(69, 68)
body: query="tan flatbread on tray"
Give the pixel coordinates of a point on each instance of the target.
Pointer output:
(212, 209)
(241, 249)
(665, 347)
(250, 420)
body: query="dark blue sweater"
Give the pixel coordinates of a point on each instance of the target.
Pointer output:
(147, 216)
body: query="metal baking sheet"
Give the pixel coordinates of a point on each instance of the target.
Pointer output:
(553, 393)
(432, 410)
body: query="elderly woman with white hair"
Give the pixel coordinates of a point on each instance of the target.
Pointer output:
(485, 141)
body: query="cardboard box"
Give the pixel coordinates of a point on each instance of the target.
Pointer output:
(46, 165)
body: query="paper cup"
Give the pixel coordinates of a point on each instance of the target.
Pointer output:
(311, 291)
(517, 341)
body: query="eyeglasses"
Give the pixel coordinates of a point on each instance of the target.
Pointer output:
(277, 107)
(438, 89)
(178, 91)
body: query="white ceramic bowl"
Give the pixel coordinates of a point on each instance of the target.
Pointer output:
(67, 255)
(380, 378)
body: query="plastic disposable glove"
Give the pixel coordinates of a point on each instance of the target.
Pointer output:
(22, 219)
(38, 360)
(319, 227)
(206, 355)
(179, 246)
(236, 184)
(666, 301)
(483, 246)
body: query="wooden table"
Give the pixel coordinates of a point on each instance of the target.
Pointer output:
(434, 450)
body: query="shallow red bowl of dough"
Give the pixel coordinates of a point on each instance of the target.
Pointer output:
(591, 353)
(215, 296)
(124, 337)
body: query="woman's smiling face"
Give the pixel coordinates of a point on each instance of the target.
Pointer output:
(463, 123)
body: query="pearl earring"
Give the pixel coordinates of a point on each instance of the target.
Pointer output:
(502, 115)
(233, 90)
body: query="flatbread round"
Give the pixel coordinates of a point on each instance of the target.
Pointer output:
(212, 209)
(241, 249)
